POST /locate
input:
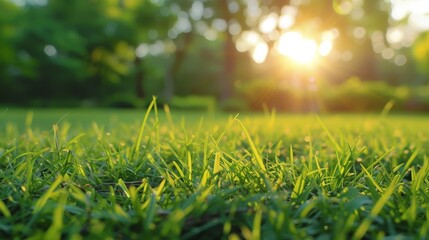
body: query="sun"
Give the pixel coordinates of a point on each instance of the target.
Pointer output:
(298, 48)
(292, 44)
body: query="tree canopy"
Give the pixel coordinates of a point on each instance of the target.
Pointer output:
(95, 52)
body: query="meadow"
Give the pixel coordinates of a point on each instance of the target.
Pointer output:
(161, 174)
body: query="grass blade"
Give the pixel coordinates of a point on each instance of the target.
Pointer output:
(54, 231)
(124, 187)
(256, 231)
(299, 186)
(216, 165)
(330, 136)
(364, 226)
(142, 127)
(258, 158)
(42, 200)
(4, 210)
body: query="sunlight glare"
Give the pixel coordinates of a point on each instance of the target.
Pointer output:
(300, 49)
(416, 10)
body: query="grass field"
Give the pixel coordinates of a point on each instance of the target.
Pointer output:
(110, 174)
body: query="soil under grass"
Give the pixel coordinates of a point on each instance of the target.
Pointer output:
(100, 174)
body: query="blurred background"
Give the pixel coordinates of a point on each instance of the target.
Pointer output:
(291, 55)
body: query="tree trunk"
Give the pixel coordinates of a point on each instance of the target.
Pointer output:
(171, 73)
(168, 85)
(226, 85)
(139, 78)
(226, 81)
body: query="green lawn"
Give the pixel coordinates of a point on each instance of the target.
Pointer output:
(100, 174)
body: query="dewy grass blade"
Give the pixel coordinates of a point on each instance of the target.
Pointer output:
(389, 105)
(4, 210)
(255, 151)
(56, 139)
(371, 179)
(189, 159)
(330, 136)
(205, 151)
(421, 175)
(179, 169)
(168, 115)
(411, 213)
(74, 140)
(256, 231)
(299, 186)
(156, 122)
(42, 200)
(291, 156)
(124, 187)
(28, 122)
(142, 127)
(150, 212)
(217, 141)
(54, 231)
(159, 189)
(28, 167)
(364, 226)
(206, 181)
(409, 162)
(216, 165)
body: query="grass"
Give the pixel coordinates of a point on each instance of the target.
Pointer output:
(108, 174)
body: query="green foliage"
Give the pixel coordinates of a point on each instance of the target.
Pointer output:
(8, 56)
(266, 92)
(95, 175)
(234, 105)
(421, 52)
(262, 93)
(354, 95)
(194, 103)
(123, 100)
(55, 52)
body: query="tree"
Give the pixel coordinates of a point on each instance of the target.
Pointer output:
(8, 56)
(58, 38)
(95, 49)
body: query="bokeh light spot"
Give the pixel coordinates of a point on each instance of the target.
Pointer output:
(400, 60)
(50, 50)
(325, 48)
(260, 52)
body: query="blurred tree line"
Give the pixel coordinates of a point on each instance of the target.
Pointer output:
(121, 52)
